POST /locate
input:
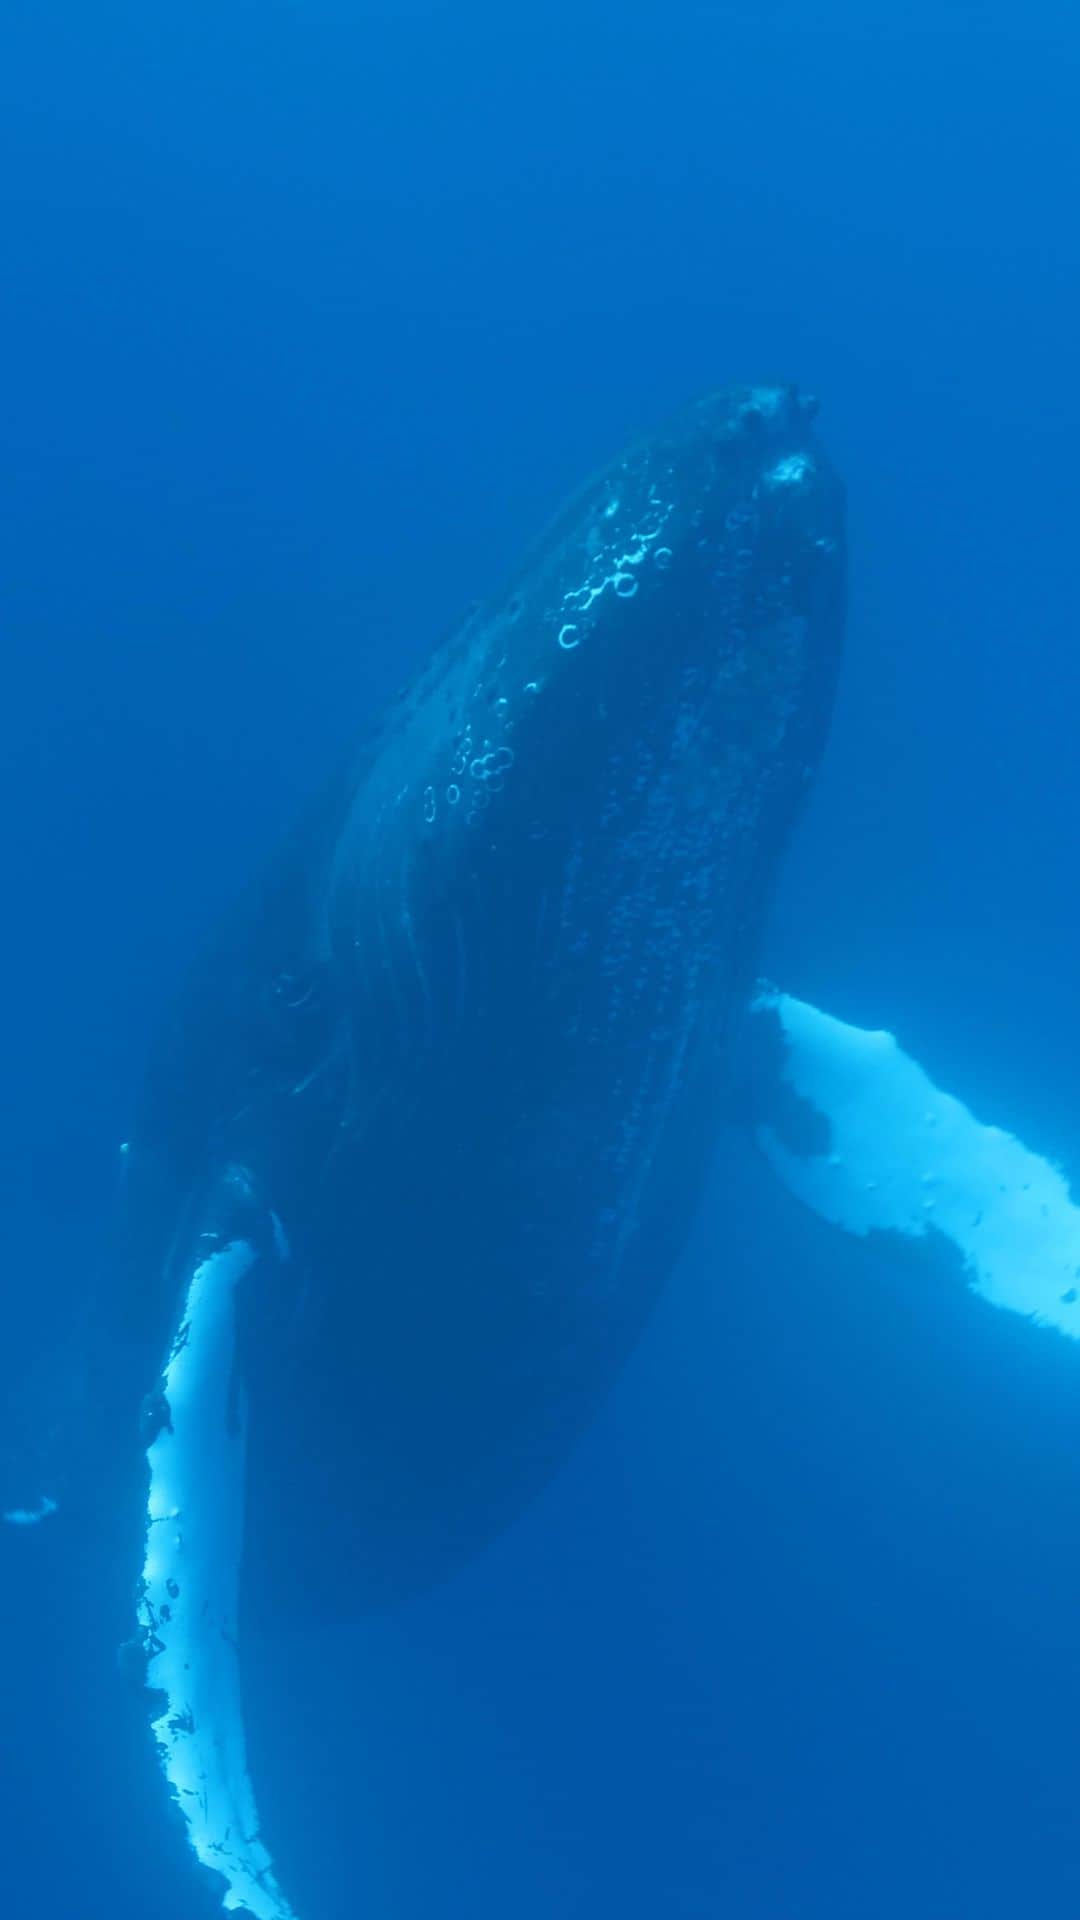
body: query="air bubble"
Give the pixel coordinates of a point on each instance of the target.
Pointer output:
(489, 765)
(625, 585)
(429, 804)
(569, 636)
(663, 557)
(453, 794)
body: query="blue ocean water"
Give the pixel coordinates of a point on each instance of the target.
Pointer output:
(312, 316)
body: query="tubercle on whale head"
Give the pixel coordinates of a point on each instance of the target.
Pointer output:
(699, 577)
(702, 554)
(737, 484)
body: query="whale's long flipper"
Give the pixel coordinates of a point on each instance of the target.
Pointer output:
(870, 1143)
(190, 1582)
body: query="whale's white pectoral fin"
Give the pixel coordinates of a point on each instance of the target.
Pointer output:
(190, 1582)
(894, 1153)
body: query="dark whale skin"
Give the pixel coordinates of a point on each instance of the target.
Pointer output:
(472, 1034)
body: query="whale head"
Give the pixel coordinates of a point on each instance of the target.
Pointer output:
(631, 720)
(686, 605)
(700, 537)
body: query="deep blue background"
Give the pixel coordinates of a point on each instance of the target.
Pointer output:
(311, 312)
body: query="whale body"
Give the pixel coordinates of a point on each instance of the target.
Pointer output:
(469, 1040)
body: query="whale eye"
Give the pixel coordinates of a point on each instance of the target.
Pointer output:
(297, 998)
(298, 1018)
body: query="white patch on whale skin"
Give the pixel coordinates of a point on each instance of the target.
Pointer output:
(767, 401)
(281, 1239)
(31, 1516)
(906, 1157)
(190, 1587)
(791, 471)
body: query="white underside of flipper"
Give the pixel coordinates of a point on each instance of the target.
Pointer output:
(190, 1588)
(905, 1157)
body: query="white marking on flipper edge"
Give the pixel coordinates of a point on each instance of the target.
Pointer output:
(190, 1588)
(908, 1158)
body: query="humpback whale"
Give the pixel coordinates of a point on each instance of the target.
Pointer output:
(425, 1134)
